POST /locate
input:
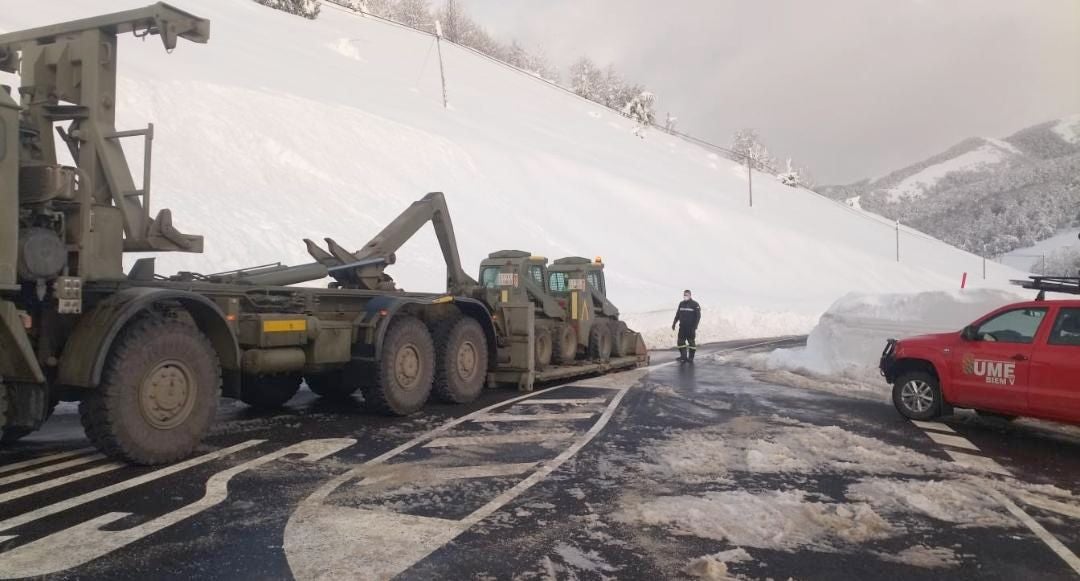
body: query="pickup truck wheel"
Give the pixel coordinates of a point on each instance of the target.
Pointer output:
(333, 385)
(917, 395)
(461, 361)
(564, 344)
(600, 342)
(158, 394)
(404, 372)
(268, 392)
(543, 347)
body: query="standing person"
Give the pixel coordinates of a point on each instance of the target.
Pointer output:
(687, 318)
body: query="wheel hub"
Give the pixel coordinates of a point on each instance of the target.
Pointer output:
(466, 360)
(407, 366)
(167, 394)
(917, 396)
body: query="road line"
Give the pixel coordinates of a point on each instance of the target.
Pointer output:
(50, 469)
(1049, 505)
(954, 441)
(978, 462)
(43, 460)
(61, 481)
(1055, 545)
(81, 543)
(496, 439)
(579, 401)
(93, 495)
(934, 426)
(533, 417)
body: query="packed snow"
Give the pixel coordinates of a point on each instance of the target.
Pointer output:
(917, 185)
(284, 128)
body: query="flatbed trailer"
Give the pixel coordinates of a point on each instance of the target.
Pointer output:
(147, 356)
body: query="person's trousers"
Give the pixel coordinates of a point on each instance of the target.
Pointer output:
(687, 343)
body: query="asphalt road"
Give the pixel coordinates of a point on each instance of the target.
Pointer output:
(632, 476)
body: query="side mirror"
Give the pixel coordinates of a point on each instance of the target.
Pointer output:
(969, 333)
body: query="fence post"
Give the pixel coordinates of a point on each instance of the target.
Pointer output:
(442, 74)
(750, 179)
(898, 240)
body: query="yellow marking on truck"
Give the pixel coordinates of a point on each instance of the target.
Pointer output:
(573, 305)
(442, 300)
(504, 297)
(285, 326)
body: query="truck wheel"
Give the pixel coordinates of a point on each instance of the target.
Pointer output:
(334, 385)
(620, 334)
(461, 358)
(158, 393)
(600, 342)
(917, 395)
(564, 345)
(268, 392)
(404, 373)
(543, 348)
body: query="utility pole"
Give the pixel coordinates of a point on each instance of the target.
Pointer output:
(750, 178)
(898, 240)
(442, 73)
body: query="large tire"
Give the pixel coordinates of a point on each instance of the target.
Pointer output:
(404, 372)
(158, 394)
(600, 342)
(9, 435)
(917, 395)
(268, 392)
(461, 361)
(542, 346)
(621, 336)
(338, 385)
(564, 345)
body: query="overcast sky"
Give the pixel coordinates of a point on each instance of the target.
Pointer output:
(853, 88)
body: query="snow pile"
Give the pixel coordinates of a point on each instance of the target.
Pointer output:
(956, 502)
(783, 520)
(284, 128)
(715, 567)
(923, 556)
(848, 339)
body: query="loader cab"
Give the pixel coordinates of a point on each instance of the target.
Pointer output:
(564, 273)
(508, 270)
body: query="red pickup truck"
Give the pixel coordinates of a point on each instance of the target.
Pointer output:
(1019, 360)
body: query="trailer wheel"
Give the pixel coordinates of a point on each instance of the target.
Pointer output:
(564, 345)
(268, 392)
(620, 344)
(404, 372)
(461, 359)
(543, 348)
(333, 385)
(600, 342)
(158, 393)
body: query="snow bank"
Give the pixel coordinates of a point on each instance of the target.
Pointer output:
(284, 128)
(849, 337)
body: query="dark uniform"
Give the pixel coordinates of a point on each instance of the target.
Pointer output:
(687, 317)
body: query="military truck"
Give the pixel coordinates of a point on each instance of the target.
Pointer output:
(147, 356)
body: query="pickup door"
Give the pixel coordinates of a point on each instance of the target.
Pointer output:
(1055, 369)
(992, 371)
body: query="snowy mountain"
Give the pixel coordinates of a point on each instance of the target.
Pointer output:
(989, 196)
(283, 128)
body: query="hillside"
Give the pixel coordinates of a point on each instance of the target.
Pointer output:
(989, 196)
(284, 128)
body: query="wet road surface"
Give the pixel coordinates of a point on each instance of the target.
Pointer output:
(662, 473)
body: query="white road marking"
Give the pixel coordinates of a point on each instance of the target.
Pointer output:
(934, 426)
(1055, 545)
(120, 486)
(978, 462)
(579, 401)
(43, 460)
(1050, 505)
(496, 439)
(954, 441)
(50, 469)
(325, 541)
(534, 417)
(61, 481)
(87, 541)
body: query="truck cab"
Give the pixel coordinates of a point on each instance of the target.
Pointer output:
(1019, 360)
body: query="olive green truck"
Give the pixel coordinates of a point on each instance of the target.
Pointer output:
(147, 356)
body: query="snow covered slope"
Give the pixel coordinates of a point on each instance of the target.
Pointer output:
(974, 155)
(283, 128)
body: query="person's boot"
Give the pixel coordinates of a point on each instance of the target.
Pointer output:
(682, 354)
(692, 352)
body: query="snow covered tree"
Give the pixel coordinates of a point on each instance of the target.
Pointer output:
(380, 8)
(669, 123)
(640, 109)
(413, 13)
(307, 8)
(789, 177)
(586, 79)
(1061, 262)
(747, 144)
(453, 20)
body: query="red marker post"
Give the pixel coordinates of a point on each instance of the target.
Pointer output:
(963, 281)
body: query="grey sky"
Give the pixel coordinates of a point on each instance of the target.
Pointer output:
(854, 88)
